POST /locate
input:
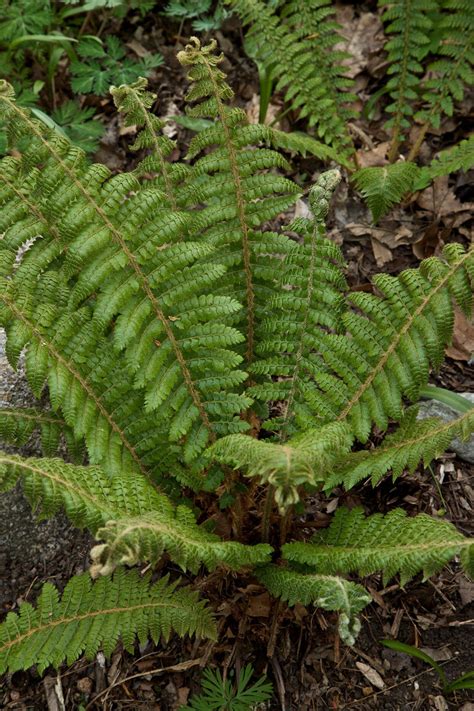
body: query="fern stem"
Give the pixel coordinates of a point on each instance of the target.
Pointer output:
(267, 513)
(117, 237)
(39, 417)
(239, 196)
(401, 333)
(80, 379)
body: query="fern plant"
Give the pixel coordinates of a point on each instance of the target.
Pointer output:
(189, 348)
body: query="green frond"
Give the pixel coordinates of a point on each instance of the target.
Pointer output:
(394, 543)
(458, 157)
(119, 255)
(297, 48)
(386, 186)
(391, 342)
(301, 460)
(17, 426)
(453, 67)
(326, 591)
(135, 102)
(413, 442)
(136, 522)
(409, 23)
(128, 541)
(309, 298)
(234, 184)
(89, 617)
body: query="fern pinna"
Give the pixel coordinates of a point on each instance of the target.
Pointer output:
(178, 338)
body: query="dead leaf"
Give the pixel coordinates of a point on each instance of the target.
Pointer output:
(371, 675)
(363, 37)
(259, 606)
(375, 157)
(466, 590)
(138, 48)
(441, 654)
(440, 199)
(382, 253)
(252, 110)
(462, 347)
(440, 703)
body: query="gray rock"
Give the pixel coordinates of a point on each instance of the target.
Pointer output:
(433, 408)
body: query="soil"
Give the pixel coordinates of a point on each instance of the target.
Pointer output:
(309, 668)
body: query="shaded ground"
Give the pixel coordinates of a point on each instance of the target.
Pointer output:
(309, 669)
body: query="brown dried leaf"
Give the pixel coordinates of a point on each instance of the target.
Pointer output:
(375, 157)
(259, 606)
(371, 675)
(462, 347)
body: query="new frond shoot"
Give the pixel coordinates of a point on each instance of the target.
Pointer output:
(193, 354)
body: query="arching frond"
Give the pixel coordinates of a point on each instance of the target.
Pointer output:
(392, 342)
(413, 442)
(297, 47)
(95, 616)
(327, 591)
(301, 460)
(136, 521)
(393, 543)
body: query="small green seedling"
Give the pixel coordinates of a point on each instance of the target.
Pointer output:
(221, 694)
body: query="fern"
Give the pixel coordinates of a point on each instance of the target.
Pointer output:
(392, 341)
(237, 189)
(17, 426)
(298, 49)
(176, 336)
(409, 22)
(326, 591)
(386, 186)
(414, 441)
(93, 616)
(452, 70)
(393, 543)
(459, 157)
(135, 521)
(286, 467)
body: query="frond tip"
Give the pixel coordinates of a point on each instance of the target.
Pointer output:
(327, 591)
(92, 616)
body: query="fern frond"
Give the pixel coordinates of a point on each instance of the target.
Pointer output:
(138, 276)
(234, 184)
(136, 522)
(134, 102)
(93, 616)
(392, 342)
(17, 426)
(383, 187)
(413, 442)
(409, 23)
(458, 157)
(302, 460)
(326, 591)
(453, 68)
(297, 47)
(393, 543)
(309, 297)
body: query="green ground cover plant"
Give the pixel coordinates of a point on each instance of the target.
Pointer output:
(200, 358)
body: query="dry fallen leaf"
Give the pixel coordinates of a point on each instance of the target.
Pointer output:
(440, 199)
(375, 157)
(259, 606)
(371, 675)
(462, 347)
